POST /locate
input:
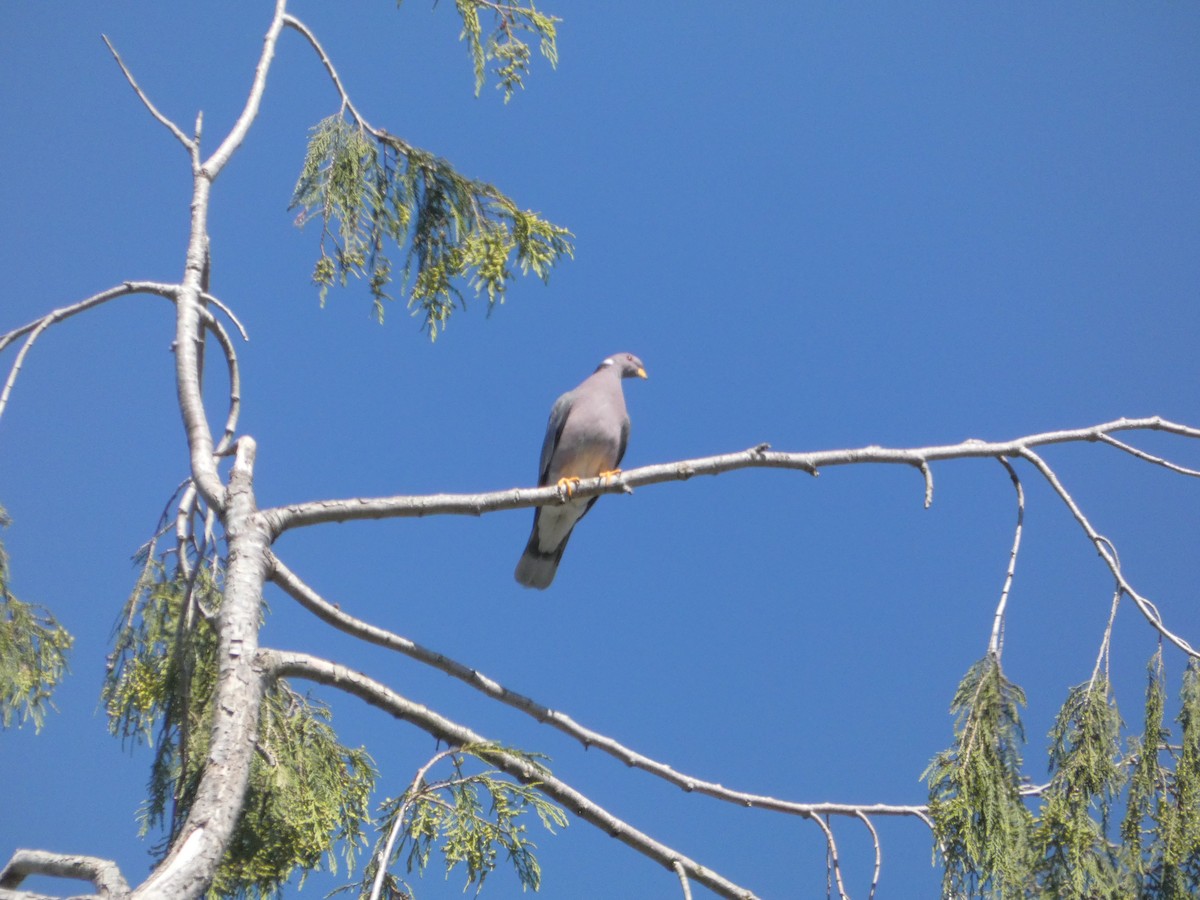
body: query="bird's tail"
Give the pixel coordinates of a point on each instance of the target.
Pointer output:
(536, 569)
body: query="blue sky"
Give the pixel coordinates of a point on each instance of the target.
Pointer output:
(820, 226)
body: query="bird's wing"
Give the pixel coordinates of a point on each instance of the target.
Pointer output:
(554, 429)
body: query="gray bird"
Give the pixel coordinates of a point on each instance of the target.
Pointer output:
(585, 438)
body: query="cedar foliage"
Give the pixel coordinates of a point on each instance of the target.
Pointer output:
(1068, 839)
(33, 654)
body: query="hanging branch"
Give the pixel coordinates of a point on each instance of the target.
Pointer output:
(1105, 549)
(338, 618)
(996, 644)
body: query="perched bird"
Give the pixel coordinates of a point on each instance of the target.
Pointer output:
(585, 438)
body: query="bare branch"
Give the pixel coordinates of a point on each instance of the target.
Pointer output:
(386, 853)
(35, 329)
(187, 142)
(333, 615)
(834, 864)
(927, 473)
(292, 22)
(996, 644)
(1104, 548)
(302, 665)
(1146, 457)
(878, 854)
(215, 163)
(102, 873)
(1102, 656)
(209, 298)
(683, 879)
(402, 506)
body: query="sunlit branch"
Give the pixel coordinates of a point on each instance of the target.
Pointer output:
(866, 820)
(215, 163)
(229, 314)
(1147, 457)
(385, 854)
(347, 104)
(102, 873)
(996, 644)
(1102, 657)
(285, 664)
(187, 142)
(286, 579)
(296, 515)
(34, 329)
(683, 879)
(927, 474)
(1104, 548)
(834, 864)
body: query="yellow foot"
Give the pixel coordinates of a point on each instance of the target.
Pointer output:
(567, 486)
(609, 475)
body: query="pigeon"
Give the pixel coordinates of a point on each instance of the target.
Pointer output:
(585, 438)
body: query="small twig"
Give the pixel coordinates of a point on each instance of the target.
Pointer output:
(996, 644)
(835, 865)
(209, 298)
(927, 473)
(34, 329)
(1104, 548)
(347, 104)
(386, 853)
(1146, 457)
(1102, 657)
(683, 880)
(187, 142)
(878, 854)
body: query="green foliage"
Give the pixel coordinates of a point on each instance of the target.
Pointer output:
(373, 191)
(1085, 758)
(990, 844)
(307, 792)
(505, 46)
(470, 818)
(33, 654)
(980, 820)
(1164, 803)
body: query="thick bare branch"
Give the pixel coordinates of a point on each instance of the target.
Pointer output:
(214, 164)
(333, 615)
(189, 866)
(301, 665)
(102, 873)
(406, 506)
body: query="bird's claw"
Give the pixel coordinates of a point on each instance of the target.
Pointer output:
(567, 486)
